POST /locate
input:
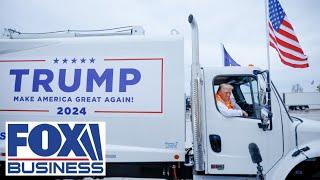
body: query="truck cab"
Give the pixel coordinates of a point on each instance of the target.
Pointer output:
(226, 138)
(222, 144)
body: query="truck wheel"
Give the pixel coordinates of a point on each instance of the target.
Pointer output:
(306, 170)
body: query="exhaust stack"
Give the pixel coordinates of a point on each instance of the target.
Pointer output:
(196, 90)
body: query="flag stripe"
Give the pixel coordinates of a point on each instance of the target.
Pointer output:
(287, 24)
(272, 45)
(288, 35)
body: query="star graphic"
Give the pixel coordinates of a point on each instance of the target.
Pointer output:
(65, 60)
(56, 61)
(74, 60)
(92, 60)
(83, 60)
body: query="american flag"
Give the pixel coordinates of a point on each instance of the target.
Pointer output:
(283, 38)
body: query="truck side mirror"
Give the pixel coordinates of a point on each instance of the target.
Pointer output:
(264, 99)
(266, 116)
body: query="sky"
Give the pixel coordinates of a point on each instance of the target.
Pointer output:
(239, 25)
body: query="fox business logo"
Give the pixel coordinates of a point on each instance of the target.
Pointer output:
(55, 148)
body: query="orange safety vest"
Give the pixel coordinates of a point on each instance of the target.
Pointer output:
(228, 103)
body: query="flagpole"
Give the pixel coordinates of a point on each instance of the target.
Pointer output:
(267, 34)
(268, 58)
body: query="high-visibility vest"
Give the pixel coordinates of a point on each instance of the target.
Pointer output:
(228, 103)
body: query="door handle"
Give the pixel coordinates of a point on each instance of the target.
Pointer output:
(215, 142)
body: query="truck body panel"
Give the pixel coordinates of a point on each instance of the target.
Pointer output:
(134, 84)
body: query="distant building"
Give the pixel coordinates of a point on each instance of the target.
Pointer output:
(296, 88)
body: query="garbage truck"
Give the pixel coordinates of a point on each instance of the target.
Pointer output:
(135, 84)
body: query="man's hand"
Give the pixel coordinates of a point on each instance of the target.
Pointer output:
(245, 114)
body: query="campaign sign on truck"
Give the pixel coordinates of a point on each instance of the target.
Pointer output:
(55, 148)
(82, 85)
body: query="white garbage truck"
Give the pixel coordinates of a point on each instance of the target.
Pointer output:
(136, 85)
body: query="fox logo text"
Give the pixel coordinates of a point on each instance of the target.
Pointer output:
(55, 148)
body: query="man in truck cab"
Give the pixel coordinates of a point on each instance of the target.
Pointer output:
(226, 104)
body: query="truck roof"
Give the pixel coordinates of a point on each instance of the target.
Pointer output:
(14, 45)
(232, 69)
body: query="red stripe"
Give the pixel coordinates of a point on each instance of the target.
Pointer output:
(289, 46)
(48, 159)
(287, 24)
(295, 65)
(23, 110)
(161, 98)
(272, 45)
(272, 38)
(288, 35)
(144, 112)
(272, 35)
(271, 28)
(132, 59)
(22, 61)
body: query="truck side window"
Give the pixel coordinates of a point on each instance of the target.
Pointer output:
(245, 89)
(244, 94)
(250, 95)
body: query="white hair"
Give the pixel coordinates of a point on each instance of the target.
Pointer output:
(225, 86)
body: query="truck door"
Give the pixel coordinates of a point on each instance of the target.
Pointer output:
(227, 137)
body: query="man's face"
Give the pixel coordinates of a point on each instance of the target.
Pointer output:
(225, 94)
